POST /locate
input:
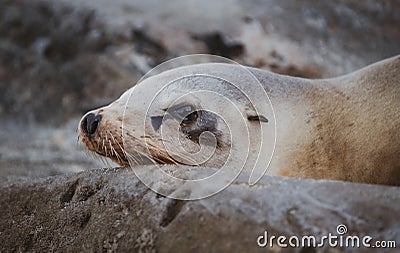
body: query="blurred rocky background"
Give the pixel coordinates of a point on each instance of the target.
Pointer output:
(59, 59)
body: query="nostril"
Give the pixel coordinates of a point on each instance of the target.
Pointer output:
(90, 124)
(92, 127)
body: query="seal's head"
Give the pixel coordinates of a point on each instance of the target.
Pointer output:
(195, 115)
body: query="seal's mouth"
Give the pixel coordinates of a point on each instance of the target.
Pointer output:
(110, 144)
(107, 145)
(112, 147)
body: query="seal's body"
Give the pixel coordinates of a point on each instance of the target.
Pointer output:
(344, 128)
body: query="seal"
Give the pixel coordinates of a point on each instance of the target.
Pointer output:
(344, 128)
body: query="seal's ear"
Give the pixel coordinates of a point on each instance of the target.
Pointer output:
(257, 118)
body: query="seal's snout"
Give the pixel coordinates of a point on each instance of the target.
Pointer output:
(90, 123)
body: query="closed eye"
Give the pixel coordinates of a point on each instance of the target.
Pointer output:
(191, 119)
(187, 115)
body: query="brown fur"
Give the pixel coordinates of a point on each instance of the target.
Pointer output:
(355, 121)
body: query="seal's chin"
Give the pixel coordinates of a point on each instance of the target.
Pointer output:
(162, 157)
(115, 156)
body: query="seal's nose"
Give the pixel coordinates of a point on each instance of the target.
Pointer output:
(90, 123)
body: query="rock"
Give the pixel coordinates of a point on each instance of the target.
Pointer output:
(111, 210)
(57, 60)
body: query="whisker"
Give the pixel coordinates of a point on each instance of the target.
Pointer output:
(149, 143)
(115, 152)
(170, 152)
(131, 158)
(142, 154)
(105, 148)
(124, 152)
